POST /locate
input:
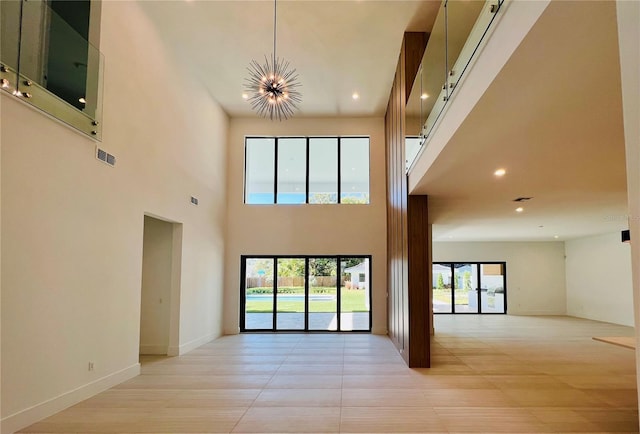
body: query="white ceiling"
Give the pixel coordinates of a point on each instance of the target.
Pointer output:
(337, 47)
(553, 119)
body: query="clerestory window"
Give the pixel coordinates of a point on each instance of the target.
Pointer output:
(306, 170)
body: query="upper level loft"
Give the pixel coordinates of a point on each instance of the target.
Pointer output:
(47, 59)
(456, 37)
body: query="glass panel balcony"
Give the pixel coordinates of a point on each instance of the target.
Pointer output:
(459, 28)
(53, 65)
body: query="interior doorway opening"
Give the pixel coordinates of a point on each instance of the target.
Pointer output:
(160, 288)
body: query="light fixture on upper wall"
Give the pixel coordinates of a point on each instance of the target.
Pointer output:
(273, 85)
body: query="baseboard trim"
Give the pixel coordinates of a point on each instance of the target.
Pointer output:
(149, 350)
(31, 415)
(190, 346)
(536, 313)
(379, 331)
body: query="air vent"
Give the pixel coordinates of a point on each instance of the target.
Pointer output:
(194, 200)
(522, 199)
(101, 155)
(105, 157)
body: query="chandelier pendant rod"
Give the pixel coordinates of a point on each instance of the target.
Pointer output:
(275, 18)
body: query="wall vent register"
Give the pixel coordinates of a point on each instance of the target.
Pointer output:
(105, 157)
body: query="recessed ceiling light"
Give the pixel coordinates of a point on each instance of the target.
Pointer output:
(245, 96)
(424, 96)
(500, 172)
(556, 237)
(519, 209)
(355, 95)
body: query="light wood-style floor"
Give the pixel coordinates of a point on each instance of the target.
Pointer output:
(490, 374)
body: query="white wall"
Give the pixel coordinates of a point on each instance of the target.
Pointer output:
(598, 273)
(155, 312)
(628, 13)
(306, 229)
(535, 271)
(72, 227)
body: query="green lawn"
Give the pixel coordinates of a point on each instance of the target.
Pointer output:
(444, 295)
(351, 301)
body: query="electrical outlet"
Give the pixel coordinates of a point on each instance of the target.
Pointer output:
(91, 366)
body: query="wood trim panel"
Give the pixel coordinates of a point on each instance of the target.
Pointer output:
(420, 270)
(408, 245)
(415, 44)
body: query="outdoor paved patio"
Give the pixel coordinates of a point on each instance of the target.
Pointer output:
(317, 321)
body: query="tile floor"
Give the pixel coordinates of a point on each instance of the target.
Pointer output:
(490, 374)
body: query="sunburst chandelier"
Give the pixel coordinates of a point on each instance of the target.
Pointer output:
(273, 86)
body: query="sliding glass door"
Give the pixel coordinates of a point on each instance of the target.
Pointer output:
(290, 294)
(465, 288)
(493, 289)
(442, 281)
(355, 297)
(469, 287)
(258, 291)
(305, 293)
(323, 294)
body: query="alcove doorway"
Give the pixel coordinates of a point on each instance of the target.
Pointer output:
(160, 287)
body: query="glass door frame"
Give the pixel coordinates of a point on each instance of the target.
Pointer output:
(274, 329)
(478, 283)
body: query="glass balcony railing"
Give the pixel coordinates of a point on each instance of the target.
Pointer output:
(458, 30)
(48, 63)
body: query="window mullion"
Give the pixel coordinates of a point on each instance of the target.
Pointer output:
(275, 294)
(306, 294)
(339, 169)
(338, 292)
(275, 173)
(307, 173)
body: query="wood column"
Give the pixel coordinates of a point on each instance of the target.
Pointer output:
(419, 293)
(408, 243)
